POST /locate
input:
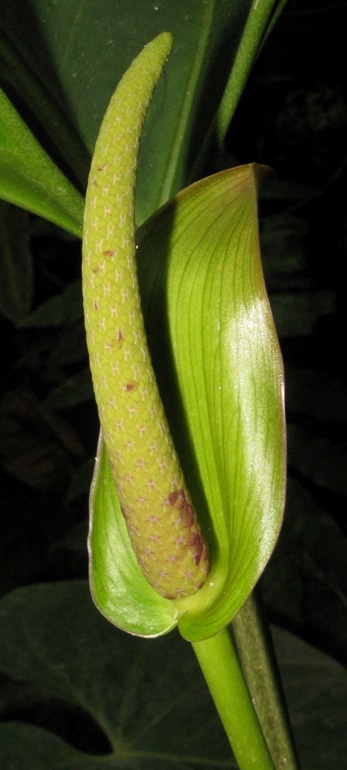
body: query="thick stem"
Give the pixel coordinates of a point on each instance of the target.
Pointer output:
(258, 660)
(222, 671)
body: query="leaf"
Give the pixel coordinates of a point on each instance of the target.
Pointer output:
(62, 308)
(73, 390)
(310, 678)
(84, 51)
(16, 270)
(28, 86)
(150, 709)
(217, 360)
(37, 447)
(30, 179)
(70, 345)
(261, 18)
(149, 699)
(31, 747)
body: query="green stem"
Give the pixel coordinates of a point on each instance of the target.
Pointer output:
(222, 671)
(255, 648)
(261, 18)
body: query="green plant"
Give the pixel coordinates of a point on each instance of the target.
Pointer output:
(31, 180)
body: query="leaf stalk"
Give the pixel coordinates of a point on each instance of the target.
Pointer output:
(221, 668)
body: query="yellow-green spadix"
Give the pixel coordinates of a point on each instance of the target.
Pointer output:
(152, 491)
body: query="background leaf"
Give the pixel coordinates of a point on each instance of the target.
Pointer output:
(28, 176)
(37, 446)
(147, 699)
(109, 676)
(36, 749)
(85, 50)
(64, 307)
(16, 268)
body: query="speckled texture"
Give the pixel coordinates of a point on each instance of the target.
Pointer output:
(161, 521)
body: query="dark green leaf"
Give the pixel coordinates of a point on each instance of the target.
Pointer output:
(26, 746)
(147, 697)
(70, 346)
(63, 308)
(16, 269)
(30, 179)
(28, 85)
(74, 390)
(84, 51)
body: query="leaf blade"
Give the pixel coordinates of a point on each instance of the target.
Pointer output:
(30, 179)
(224, 354)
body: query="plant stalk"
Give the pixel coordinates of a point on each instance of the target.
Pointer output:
(255, 649)
(261, 18)
(224, 677)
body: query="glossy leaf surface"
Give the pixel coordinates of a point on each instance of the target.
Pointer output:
(217, 360)
(30, 179)
(212, 318)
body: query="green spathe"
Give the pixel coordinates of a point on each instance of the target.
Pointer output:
(217, 360)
